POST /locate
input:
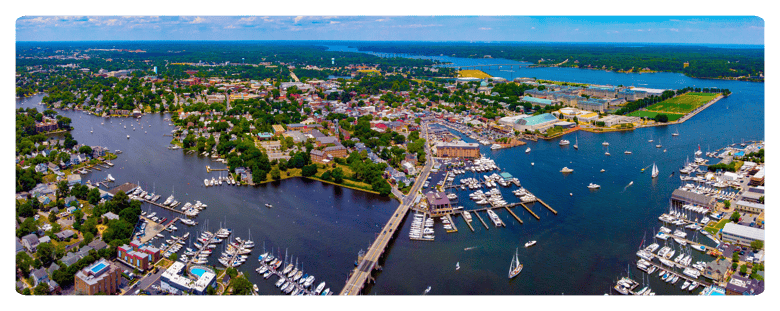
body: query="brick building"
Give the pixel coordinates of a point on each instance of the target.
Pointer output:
(99, 277)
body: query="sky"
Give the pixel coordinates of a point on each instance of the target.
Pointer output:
(647, 29)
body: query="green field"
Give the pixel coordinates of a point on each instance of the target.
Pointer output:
(649, 114)
(682, 104)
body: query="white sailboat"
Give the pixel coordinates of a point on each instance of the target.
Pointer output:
(457, 266)
(659, 144)
(676, 133)
(651, 138)
(655, 170)
(576, 143)
(607, 152)
(515, 267)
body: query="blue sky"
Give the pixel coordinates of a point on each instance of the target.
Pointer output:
(672, 29)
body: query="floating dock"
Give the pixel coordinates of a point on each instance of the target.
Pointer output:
(515, 216)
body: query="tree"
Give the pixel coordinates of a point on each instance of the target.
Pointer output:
(173, 257)
(93, 197)
(661, 118)
(241, 286)
(309, 170)
(45, 253)
(85, 150)
(727, 204)
(757, 244)
(41, 289)
(734, 217)
(275, 174)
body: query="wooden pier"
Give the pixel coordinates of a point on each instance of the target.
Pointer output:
(682, 276)
(452, 224)
(163, 206)
(529, 210)
(209, 169)
(468, 222)
(482, 221)
(282, 276)
(513, 214)
(547, 206)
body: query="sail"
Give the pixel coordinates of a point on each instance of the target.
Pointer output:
(655, 170)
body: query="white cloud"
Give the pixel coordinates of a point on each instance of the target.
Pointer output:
(247, 19)
(298, 18)
(334, 22)
(576, 29)
(485, 28)
(382, 20)
(674, 29)
(533, 27)
(197, 20)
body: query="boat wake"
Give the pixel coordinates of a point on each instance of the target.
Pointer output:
(469, 248)
(626, 187)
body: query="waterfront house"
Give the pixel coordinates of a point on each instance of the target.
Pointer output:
(739, 285)
(438, 204)
(681, 197)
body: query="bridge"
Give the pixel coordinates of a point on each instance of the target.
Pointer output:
(362, 273)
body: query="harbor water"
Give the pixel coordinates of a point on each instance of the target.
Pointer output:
(582, 250)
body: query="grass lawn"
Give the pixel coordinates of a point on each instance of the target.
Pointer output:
(473, 74)
(650, 114)
(683, 104)
(714, 229)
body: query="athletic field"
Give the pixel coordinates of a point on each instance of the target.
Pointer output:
(650, 114)
(682, 104)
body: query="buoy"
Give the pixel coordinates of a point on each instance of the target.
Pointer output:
(571, 195)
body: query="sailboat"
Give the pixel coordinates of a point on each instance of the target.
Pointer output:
(92, 129)
(651, 138)
(515, 267)
(676, 133)
(457, 266)
(659, 143)
(607, 153)
(576, 143)
(655, 170)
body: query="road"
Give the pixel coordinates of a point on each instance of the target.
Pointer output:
(363, 271)
(144, 283)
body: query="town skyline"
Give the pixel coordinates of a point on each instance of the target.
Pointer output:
(726, 30)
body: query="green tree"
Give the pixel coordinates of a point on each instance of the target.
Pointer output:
(727, 204)
(173, 257)
(757, 244)
(241, 286)
(41, 289)
(275, 174)
(734, 217)
(743, 269)
(45, 253)
(309, 170)
(93, 197)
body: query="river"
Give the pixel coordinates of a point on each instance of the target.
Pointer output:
(582, 250)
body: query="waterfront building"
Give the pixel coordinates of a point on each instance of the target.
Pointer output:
(740, 234)
(594, 104)
(438, 203)
(600, 91)
(753, 194)
(537, 101)
(739, 285)
(99, 277)
(459, 149)
(47, 125)
(716, 269)
(138, 255)
(612, 120)
(174, 281)
(749, 207)
(537, 122)
(682, 197)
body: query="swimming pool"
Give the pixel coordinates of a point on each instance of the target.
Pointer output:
(198, 271)
(96, 268)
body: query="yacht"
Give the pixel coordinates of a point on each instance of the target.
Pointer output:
(605, 144)
(427, 290)
(319, 288)
(659, 144)
(627, 152)
(515, 266)
(496, 146)
(566, 170)
(528, 150)
(603, 170)
(563, 142)
(206, 182)
(530, 243)
(128, 136)
(593, 186)
(676, 133)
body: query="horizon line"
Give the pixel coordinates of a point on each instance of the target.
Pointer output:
(420, 41)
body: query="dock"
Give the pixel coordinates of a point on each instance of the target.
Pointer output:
(163, 206)
(452, 223)
(282, 276)
(682, 276)
(209, 169)
(547, 206)
(515, 216)
(482, 221)
(468, 222)
(529, 210)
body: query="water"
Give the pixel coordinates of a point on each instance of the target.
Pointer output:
(582, 250)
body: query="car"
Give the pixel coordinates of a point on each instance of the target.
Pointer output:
(742, 252)
(137, 291)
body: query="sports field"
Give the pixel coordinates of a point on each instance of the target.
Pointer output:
(650, 114)
(474, 74)
(682, 104)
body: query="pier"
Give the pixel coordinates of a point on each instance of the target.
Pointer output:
(529, 210)
(513, 214)
(681, 275)
(209, 169)
(547, 206)
(163, 206)
(452, 224)
(480, 219)
(468, 222)
(287, 279)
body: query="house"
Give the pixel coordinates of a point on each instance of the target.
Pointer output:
(97, 245)
(44, 239)
(41, 168)
(739, 285)
(110, 216)
(30, 242)
(69, 259)
(70, 199)
(74, 179)
(19, 246)
(438, 203)
(38, 276)
(65, 234)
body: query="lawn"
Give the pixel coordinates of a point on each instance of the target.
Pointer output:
(682, 104)
(650, 114)
(473, 74)
(714, 230)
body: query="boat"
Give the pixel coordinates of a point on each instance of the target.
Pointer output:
(319, 288)
(566, 170)
(576, 143)
(254, 286)
(593, 186)
(655, 171)
(268, 205)
(627, 152)
(530, 243)
(563, 142)
(676, 133)
(128, 136)
(605, 144)
(515, 266)
(603, 170)
(457, 266)
(110, 178)
(427, 290)
(526, 151)
(659, 144)
(607, 152)
(496, 146)
(206, 182)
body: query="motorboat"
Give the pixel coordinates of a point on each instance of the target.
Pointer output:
(566, 170)
(530, 243)
(593, 186)
(528, 150)
(563, 142)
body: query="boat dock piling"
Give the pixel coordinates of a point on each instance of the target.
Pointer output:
(468, 222)
(480, 219)
(529, 210)
(547, 206)
(513, 214)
